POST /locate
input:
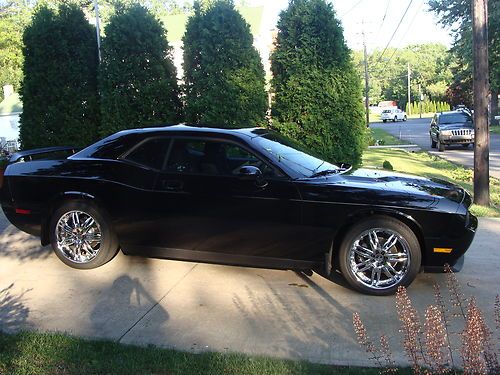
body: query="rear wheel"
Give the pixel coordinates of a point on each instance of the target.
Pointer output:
(378, 255)
(81, 236)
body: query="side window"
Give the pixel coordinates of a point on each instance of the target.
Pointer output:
(212, 158)
(150, 153)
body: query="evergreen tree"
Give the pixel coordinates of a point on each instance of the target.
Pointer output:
(59, 92)
(223, 73)
(318, 93)
(137, 76)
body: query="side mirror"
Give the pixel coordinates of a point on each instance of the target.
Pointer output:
(249, 172)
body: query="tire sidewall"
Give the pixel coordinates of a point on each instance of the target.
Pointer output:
(380, 222)
(108, 246)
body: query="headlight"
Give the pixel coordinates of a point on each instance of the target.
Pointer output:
(446, 133)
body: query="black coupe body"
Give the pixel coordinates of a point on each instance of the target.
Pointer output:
(243, 196)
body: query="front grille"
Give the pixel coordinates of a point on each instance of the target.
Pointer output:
(462, 132)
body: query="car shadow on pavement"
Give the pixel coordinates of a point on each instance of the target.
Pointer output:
(13, 312)
(19, 245)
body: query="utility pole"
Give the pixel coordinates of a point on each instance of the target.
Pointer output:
(98, 33)
(420, 100)
(367, 87)
(481, 90)
(409, 93)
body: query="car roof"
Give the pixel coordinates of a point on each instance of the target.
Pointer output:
(250, 132)
(452, 112)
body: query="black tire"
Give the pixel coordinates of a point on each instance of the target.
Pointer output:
(107, 245)
(440, 146)
(394, 119)
(433, 144)
(405, 118)
(407, 240)
(384, 120)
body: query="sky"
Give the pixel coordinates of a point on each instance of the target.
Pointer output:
(418, 26)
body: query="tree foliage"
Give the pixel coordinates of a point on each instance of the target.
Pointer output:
(14, 16)
(223, 72)
(137, 76)
(457, 15)
(317, 90)
(59, 92)
(430, 66)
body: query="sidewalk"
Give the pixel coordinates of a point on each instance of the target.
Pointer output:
(201, 307)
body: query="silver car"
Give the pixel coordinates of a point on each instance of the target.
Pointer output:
(451, 128)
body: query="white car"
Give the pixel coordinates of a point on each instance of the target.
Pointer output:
(393, 114)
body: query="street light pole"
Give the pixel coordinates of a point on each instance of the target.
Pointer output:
(409, 94)
(97, 29)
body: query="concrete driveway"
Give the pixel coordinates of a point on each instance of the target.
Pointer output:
(417, 131)
(201, 307)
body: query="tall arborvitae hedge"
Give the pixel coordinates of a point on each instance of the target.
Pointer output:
(318, 98)
(223, 73)
(59, 92)
(137, 76)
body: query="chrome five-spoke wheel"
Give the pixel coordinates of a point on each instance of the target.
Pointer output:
(78, 236)
(379, 258)
(379, 254)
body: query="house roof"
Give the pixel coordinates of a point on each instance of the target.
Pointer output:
(11, 104)
(176, 24)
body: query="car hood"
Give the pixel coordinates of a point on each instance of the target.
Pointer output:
(384, 188)
(406, 183)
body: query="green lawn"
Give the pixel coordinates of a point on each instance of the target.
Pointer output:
(384, 138)
(50, 353)
(495, 129)
(423, 164)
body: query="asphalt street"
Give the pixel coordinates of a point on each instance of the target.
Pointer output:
(198, 307)
(417, 131)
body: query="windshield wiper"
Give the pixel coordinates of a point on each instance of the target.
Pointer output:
(326, 172)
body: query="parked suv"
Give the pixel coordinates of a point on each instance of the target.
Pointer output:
(393, 114)
(450, 128)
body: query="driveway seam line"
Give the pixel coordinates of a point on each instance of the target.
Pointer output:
(156, 304)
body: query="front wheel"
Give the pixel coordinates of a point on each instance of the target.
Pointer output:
(378, 255)
(405, 118)
(394, 119)
(81, 235)
(440, 146)
(384, 120)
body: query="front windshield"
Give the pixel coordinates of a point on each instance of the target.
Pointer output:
(454, 118)
(294, 156)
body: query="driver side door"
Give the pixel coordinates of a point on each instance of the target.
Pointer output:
(207, 206)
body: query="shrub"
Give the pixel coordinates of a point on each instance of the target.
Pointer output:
(387, 165)
(223, 72)
(137, 76)
(318, 93)
(59, 92)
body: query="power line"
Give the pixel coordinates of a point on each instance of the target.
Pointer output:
(408, 29)
(397, 27)
(351, 8)
(383, 19)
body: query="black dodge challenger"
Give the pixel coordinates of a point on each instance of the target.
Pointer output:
(244, 196)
